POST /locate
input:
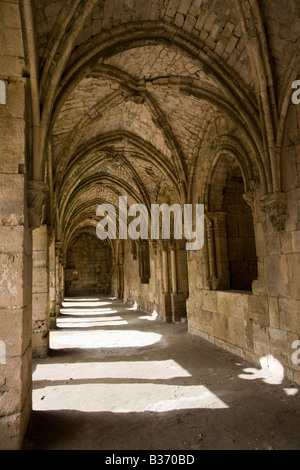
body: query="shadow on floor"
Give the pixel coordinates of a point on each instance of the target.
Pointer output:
(235, 406)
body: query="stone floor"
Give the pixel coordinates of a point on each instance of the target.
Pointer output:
(119, 379)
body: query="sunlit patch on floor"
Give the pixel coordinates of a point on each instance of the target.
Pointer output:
(90, 322)
(291, 392)
(84, 303)
(271, 372)
(87, 312)
(103, 339)
(151, 317)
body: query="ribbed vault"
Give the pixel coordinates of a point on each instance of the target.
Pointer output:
(133, 93)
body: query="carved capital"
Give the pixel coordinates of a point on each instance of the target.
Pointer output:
(173, 245)
(37, 193)
(275, 205)
(213, 282)
(58, 249)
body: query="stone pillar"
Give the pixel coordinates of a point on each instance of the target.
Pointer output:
(212, 267)
(261, 235)
(221, 250)
(166, 307)
(218, 264)
(15, 313)
(58, 299)
(156, 275)
(174, 271)
(63, 265)
(15, 239)
(121, 275)
(40, 293)
(52, 284)
(165, 272)
(114, 274)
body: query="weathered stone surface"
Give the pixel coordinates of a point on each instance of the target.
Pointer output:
(9, 432)
(233, 305)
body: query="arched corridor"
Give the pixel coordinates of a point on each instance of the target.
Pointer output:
(149, 158)
(118, 378)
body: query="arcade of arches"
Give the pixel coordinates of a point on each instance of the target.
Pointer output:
(161, 101)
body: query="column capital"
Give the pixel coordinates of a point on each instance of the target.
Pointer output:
(173, 245)
(275, 205)
(58, 248)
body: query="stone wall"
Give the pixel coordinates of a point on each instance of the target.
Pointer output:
(265, 322)
(88, 269)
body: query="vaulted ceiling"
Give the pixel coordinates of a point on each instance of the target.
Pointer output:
(139, 97)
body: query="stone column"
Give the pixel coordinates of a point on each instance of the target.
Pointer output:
(15, 312)
(218, 264)
(261, 235)
(63, 265)
(121, 276)
(155, 276)
(40, 293)
(174, 271)
(166, 307)
(58, 298)
(221, 250)
(114, 274)
(52, 283)
(212, 267)
(15, 239)
(165, 272)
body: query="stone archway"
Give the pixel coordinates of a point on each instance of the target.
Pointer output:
(88, 267)
(242, 259)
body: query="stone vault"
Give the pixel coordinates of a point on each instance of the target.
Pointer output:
(164, 102)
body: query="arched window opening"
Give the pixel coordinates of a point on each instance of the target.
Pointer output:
(240, 233)
(230, 234)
